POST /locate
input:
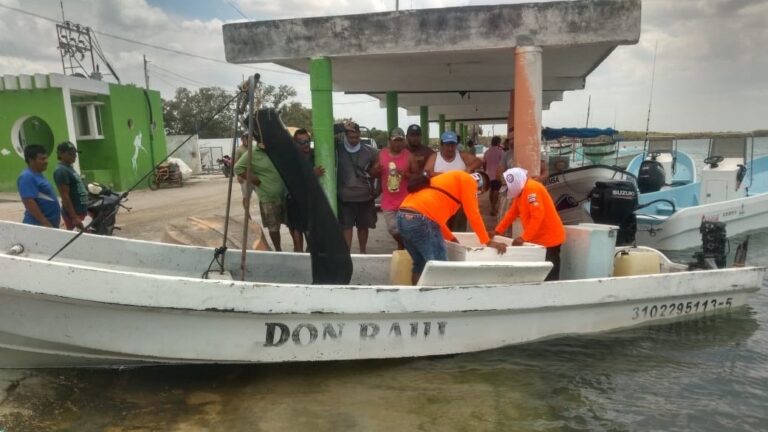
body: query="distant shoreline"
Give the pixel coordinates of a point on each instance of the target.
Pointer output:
(640, 135)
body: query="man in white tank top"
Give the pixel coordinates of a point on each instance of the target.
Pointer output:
(449, 158)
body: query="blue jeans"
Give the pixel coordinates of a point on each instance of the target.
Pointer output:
(422, 239)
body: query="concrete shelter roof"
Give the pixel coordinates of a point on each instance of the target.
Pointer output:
(433, 52)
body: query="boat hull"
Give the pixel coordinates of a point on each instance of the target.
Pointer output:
(680, 230)
(70, 316)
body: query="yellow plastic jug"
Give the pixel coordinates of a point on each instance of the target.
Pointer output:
(400, 268)
(636, 263)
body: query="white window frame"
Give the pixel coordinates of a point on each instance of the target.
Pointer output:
(94, 121)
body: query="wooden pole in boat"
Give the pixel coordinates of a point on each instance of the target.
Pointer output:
(229, 187)
(248, 175)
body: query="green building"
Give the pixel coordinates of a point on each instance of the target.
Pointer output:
(119, 129)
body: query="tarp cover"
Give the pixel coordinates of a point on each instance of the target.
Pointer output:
(331, 263)
(552, 134)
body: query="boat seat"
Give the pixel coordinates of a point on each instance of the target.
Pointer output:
(473, 273)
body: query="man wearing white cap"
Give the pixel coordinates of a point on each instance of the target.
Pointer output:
(541, 223)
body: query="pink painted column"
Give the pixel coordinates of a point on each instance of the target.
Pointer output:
(527, 108)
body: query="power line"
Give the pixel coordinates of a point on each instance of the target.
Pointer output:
(156, 47)
(192, 80)
(238, 10)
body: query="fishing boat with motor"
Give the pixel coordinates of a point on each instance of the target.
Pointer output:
(106, 301)
(570, 180)
(674, 202)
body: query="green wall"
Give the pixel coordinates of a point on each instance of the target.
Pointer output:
(14, 105)
(128, 103)
(108, 160)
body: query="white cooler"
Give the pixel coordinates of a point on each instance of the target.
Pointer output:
(470, 249)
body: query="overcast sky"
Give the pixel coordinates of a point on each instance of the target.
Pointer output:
(711, 67)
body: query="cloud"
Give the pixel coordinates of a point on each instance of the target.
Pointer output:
(711, 62)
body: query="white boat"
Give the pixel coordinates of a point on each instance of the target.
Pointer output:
(570, 189)
(108, 301)
(733, 188)
(591, 157)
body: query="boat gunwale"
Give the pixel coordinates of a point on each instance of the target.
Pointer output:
(285, 298)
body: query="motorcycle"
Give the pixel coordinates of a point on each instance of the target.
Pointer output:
(103, 204)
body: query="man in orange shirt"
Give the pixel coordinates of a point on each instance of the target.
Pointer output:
(541, 223)
(423, 214)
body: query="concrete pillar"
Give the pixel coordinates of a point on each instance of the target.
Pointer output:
(321, 85)
(424, 111)
(453, 126)
(527, 105)
(391, 111)
(460, 132)
(511, 115)
(441, 124)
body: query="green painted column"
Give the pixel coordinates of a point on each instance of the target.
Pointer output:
(441, 124)
(321, 84)
(391, 111)
(460, 132)
(424, 111)
(453, 126)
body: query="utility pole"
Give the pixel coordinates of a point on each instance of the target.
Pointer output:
(146, 72)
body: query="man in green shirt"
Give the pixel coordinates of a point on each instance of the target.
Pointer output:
(74, 197)
(269, 188)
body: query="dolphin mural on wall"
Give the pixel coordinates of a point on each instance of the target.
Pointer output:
(136, 147)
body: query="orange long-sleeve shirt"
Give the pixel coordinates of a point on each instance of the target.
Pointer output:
(541, 223)
(439, 208)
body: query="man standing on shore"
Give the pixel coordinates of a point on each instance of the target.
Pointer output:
(394, 161)
(419, 152)
(492, 160)
(269, 188)
(74, 198)
(296, 224)
(36, 192)
(358, 166)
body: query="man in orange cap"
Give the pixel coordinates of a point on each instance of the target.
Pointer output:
(541, 223)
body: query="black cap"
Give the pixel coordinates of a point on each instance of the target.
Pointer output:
(66, 147)
(414, 129)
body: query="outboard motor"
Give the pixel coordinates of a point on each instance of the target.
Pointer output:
(651, 176)
(713, 244)
(614, 203)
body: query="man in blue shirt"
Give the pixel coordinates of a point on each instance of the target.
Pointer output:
(37, 193)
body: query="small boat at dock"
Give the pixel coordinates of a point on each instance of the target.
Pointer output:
(107, 301)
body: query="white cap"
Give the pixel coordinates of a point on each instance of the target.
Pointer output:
(515, 179)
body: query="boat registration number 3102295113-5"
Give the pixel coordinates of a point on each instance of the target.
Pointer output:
(680, 308)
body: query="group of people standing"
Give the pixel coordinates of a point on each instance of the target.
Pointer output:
(41, 203)
(426, 195)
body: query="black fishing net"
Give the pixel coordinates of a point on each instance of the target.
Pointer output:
(331, 263)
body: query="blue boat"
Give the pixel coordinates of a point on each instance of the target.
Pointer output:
(673, 201)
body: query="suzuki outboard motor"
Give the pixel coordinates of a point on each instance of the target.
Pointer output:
(651, 176)
(614, 203)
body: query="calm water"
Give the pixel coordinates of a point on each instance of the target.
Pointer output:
(702, 375)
